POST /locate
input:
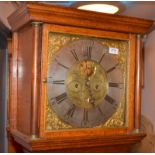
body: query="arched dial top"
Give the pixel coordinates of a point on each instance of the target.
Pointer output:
(84, 83)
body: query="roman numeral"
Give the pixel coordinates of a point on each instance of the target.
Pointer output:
(109, 99)
(70, 112)
(74, 55)
(59, 82)
(85, 117)
(62, 65)
(117, 85)
(111, 69)
(58, 99)
(56, 82)
(88, 52)
(101, 58)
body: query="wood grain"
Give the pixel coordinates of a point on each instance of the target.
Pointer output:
(131, 82)
(13, 84)
(35, 83)
(24, 89)
(87, 32)
(138, 86)
(78, 18)
(10, 50)
(11, 147)
(84, 144)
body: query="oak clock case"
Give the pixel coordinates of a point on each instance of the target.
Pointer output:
(85, 82)
(75, 83)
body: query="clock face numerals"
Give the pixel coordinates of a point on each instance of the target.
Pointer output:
(85, 83)
(58, 99)
(70, 112)
(74, 54)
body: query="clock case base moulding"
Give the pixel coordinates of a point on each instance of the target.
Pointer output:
(113, 143)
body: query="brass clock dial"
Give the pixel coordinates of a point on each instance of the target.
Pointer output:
(87, 79)
(84, 83)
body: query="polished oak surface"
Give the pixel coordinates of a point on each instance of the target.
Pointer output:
(114, 143)
(78, 18)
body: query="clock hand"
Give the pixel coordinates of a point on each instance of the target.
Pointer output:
(91, 100)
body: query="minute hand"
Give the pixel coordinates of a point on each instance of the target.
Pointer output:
(111, 69)
(91, 100)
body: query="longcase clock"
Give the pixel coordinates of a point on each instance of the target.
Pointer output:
(75, 80)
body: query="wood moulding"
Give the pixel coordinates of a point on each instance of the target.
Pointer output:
(31, 11)
(77, 144)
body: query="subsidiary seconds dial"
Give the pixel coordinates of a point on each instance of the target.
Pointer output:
(84, 83)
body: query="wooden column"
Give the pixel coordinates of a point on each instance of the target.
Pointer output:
(9, 75)
(138, 86)
(36, 78)
(13, 83)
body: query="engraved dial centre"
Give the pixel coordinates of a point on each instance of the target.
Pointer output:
(86, 84)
